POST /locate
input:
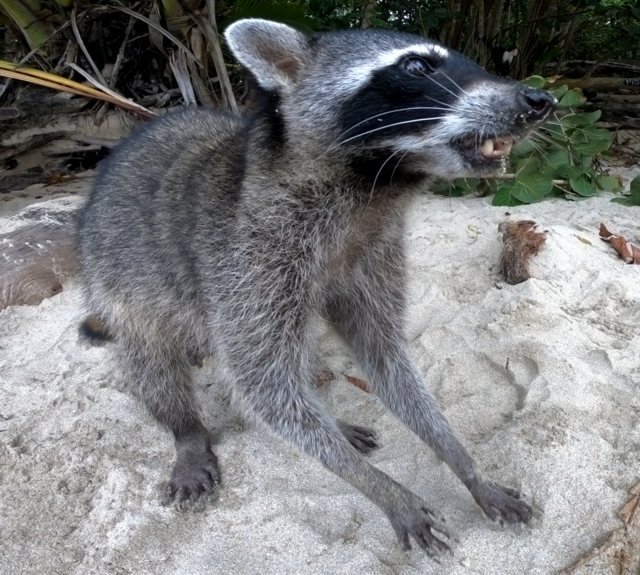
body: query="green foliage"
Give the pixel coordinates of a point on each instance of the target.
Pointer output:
(291, 12)
(633, 197)
(560, 159)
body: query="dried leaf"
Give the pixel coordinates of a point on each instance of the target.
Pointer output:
(324, 378)
(178, 64)
(627, 251)
(155, 36)
(359, 383)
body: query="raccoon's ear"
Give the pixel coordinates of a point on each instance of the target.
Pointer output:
(273, 52)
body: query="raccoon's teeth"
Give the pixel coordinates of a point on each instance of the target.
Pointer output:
(498, 148)
(487, 148)
(504, 145)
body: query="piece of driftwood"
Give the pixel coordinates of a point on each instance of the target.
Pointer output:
(604, 84)
(37, 256)
(578, 68)
(521, 242)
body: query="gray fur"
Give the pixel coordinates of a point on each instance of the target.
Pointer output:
(209, 235)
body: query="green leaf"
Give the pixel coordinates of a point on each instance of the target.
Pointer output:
(528, 165)
(581, 120)
(608, 155)
(523, 148)
(534, 81)
(554, 130)
(531, 188)
(586, 162)
(624, 201)
(550, 55)
(559, 91)
(591, 133)
(558, 158)
(568, 172)
(468, 184)
(448, 189)
(430, 21)
(572, 98)
(591, 141)
(504, 196)
(634, 188)
(379, 22)
(582, 186)
(607, 183)
(593, 148)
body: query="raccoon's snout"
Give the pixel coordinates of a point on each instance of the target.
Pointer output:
(538, 104)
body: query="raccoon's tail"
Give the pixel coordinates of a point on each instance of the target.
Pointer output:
(93, 330)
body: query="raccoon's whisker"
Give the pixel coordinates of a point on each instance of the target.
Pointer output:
(395, 112)
(385, 128)
(400, 161)
(455, 84)
(441, 85)
(539, 148)
(378, 174)
(545, 138)
(448, 106)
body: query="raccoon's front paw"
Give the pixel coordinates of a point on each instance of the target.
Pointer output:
(362, 438)
(427, 527)
(501, 503)
(195, 473)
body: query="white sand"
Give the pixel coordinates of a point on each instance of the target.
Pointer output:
(82, 465)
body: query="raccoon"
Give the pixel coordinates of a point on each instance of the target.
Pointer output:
(207, 234)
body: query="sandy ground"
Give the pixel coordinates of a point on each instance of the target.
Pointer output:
(540, 380)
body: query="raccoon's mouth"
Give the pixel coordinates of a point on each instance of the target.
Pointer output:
(487, 150)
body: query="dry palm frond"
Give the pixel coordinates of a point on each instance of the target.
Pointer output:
(9, 70)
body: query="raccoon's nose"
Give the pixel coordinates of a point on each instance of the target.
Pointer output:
(538, 103)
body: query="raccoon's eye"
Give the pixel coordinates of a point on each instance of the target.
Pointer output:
(418, 67)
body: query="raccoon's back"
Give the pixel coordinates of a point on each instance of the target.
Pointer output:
(167, 193)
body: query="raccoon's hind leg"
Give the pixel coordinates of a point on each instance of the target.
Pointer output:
(160, 375)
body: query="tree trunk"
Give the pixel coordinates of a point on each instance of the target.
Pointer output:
(493, 21)
(568, 40)
(480, 33)
(527, 48)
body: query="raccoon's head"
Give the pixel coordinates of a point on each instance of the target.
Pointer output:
(387, 104)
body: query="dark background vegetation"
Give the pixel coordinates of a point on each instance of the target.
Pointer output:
(552, 36)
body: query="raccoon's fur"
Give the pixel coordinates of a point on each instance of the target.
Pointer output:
(211, 235)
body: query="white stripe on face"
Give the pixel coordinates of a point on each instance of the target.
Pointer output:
(356, 76)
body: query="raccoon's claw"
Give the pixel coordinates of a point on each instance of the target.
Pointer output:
(363, 439)
(194, 473)
(426, 527)
(501, 503)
